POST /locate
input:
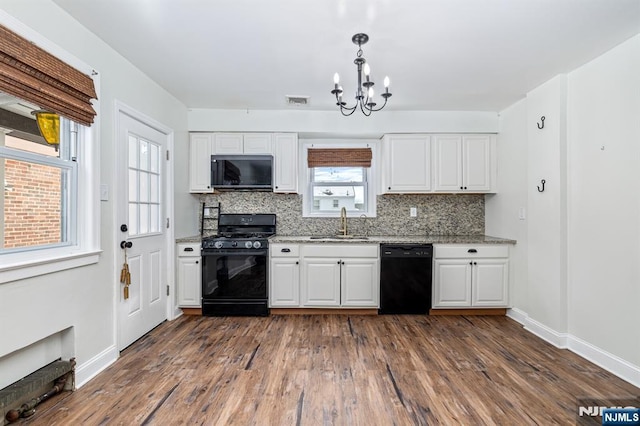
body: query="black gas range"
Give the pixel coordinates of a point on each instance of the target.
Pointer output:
(235, 265)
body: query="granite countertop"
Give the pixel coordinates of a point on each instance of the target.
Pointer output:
(377, 239)
(192, 239)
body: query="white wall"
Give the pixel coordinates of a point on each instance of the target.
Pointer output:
(503, 209)
(604, 209)
(333, 124)
(80, 301)
(546, 159)
(582, 284)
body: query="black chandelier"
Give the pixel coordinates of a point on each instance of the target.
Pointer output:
(364, 91)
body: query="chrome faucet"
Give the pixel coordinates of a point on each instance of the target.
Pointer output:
(343, 220)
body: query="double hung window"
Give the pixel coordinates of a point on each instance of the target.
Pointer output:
(337, 187)
(339, 176)
(40, 185)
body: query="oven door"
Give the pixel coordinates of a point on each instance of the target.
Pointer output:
(234, 275)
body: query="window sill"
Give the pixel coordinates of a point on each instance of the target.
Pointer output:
(47, 265)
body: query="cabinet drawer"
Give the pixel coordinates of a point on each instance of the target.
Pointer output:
(470, 251)
(341, 250)
(188, 250)
(284, 250)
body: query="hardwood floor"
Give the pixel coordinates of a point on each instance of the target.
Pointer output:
(338, 369)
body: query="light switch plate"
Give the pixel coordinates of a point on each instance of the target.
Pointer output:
(104, 192)
(522, 214)
(413, 212)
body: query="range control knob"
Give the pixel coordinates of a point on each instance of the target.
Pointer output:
(218, 244)
(248, 244)
(257, 244)
(234, 244)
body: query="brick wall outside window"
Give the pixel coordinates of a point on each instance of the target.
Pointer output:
(31, 204)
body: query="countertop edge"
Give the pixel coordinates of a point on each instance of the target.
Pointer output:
(390, 239)
(379, 239)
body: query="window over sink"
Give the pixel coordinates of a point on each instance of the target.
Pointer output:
(339, 174)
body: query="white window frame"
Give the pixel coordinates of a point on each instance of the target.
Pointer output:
(85, 249)
(371, 174)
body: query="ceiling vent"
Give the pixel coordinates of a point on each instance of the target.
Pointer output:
(297, 101)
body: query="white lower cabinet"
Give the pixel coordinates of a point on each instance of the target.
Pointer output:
(189, 273)
(284, 276)
(471, 276)
(329, 276)
(359, 283)
(321, 282)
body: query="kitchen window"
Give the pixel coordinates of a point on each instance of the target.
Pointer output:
(338, 175)
(336, 187)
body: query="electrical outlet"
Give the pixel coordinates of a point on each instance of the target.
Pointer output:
(207, 211)
(413, 212)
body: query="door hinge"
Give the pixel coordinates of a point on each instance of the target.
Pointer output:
(167, 290)
(167, 223)
(167, 155)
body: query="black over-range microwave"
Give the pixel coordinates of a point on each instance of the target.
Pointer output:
(253, 172)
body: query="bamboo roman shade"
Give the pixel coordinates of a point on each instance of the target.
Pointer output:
(32, 74)
(339, 157)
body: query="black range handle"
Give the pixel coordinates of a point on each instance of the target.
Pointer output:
(472, 251)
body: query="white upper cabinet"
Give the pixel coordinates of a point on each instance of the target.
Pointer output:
(283, 147)
(406, 164)
(464, 163)
(242, 143)
(451, 163)
(285, 159)
(200, 149)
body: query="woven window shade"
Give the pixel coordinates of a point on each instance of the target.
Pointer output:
(339, 157)
(32, 74)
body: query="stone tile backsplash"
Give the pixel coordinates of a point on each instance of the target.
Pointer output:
(438, 214)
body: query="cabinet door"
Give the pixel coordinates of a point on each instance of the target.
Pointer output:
(359, 279)
(407, 166)
(490, 278)
(286, 162)
(284, 283)
(452, 283)
(448, 163)
(477, 163)
(257, 143)
(321, 282)
(227, 143)
(189, 282)
(200, 150)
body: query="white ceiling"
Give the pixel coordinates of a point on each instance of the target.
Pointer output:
(439, 54)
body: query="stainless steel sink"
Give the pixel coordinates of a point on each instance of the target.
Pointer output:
(338, 237)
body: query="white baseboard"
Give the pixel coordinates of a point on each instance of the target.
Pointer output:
(95, 365)
(612, 363)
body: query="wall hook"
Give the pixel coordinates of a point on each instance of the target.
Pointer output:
(542, 182)
(541, 126)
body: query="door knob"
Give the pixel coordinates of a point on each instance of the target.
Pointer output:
(126, 244)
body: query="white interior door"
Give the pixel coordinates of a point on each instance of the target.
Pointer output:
(142, 181)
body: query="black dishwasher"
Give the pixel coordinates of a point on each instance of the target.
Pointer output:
(405, 278)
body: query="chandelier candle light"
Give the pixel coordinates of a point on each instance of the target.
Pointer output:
(364, 92)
